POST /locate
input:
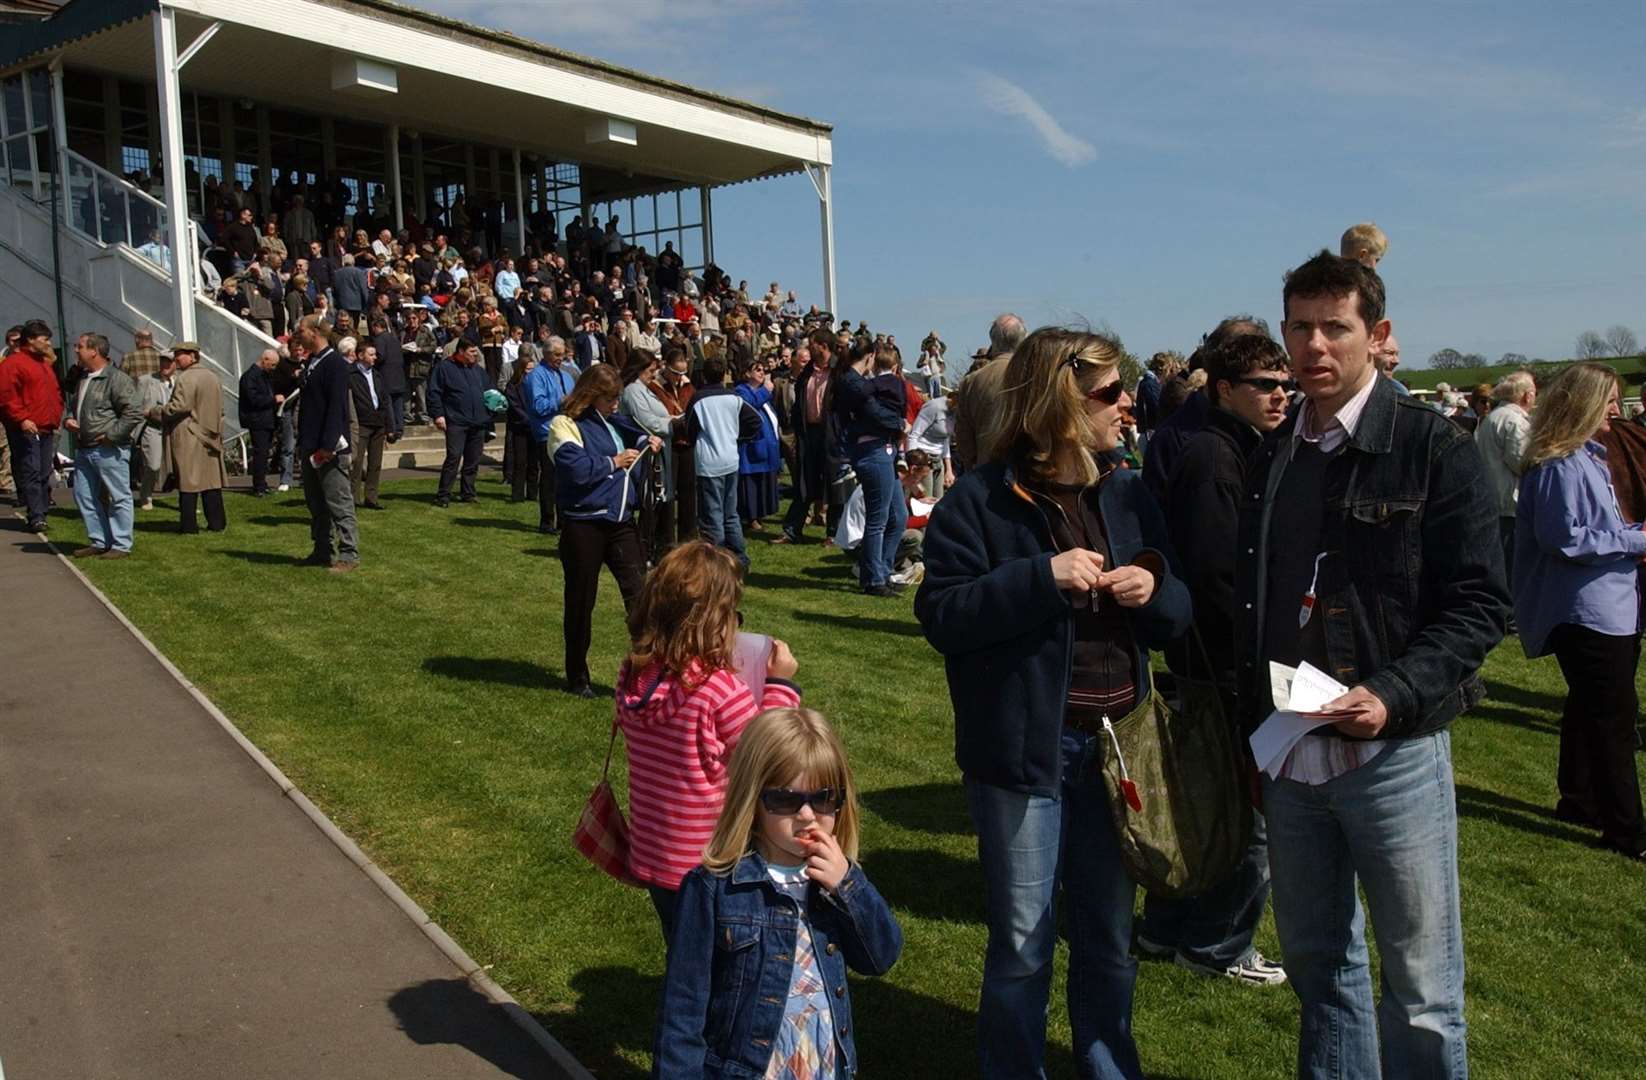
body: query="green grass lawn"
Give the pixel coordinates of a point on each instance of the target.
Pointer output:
(419, 702)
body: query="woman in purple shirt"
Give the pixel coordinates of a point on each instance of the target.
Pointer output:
(1577, 595)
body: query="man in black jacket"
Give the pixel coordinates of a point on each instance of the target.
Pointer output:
(371, 421)
(323, 445)
(457, 388)
(1368, 547)
(1247, 385)
(257, 416)
(391, 375)
(241, 240)
(809, 420)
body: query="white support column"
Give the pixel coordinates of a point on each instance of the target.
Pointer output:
(171, 150)
(391, 147)
(819, 175)
(60, 137)
(519, 202)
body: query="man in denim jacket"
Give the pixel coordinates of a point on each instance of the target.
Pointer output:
(1370, 539)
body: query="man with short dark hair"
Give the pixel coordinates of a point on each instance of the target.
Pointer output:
(1181, 424)
(391, 375)
(1371, 535)
(31, 406)
(105, 414)
(323, 444)
(371, 414)
(457, 401)
(241, 239)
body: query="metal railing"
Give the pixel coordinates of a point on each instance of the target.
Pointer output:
(110, 210)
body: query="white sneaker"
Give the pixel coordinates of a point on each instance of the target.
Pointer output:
(146, 504)
(283, 487)
(1254, 970)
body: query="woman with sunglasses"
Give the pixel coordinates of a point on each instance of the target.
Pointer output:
(1047, 582)
(682, 708)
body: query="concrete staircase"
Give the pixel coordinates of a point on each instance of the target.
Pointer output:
(423, 446)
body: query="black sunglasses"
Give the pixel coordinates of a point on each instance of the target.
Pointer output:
(1108, 393)
(783, 801)
(1266, 385)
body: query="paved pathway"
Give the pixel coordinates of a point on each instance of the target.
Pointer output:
(164, 910)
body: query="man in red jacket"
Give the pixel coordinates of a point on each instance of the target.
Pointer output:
(31, 406)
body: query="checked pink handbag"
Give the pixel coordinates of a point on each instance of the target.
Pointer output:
(602, 835)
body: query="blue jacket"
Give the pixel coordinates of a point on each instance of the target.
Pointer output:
(323, 406)
(457, 392)
(1006, 631)
(1576, 560)
(587, 486)
(732, 959)
(1418, 598)
(762, 454)
(863, 410)
(545, 389)
(718, 420)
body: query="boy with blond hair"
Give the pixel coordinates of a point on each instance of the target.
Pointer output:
(1364, 243)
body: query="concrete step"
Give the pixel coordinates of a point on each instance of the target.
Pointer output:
(423, 446)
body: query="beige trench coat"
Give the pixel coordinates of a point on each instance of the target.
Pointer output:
(194, 430)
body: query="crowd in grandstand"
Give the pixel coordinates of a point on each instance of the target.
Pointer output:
(1262, 502)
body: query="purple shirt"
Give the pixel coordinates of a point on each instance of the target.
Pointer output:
(1576, 559)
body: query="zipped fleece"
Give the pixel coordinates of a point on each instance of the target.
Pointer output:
(716, 422)
(587, 486)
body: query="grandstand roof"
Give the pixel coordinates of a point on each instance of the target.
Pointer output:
(453, 79)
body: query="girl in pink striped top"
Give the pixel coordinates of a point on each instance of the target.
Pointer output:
(682, 707)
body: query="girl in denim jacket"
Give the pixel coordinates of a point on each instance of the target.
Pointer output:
(764, 929)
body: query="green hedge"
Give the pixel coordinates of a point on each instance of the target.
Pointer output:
(1631, 368)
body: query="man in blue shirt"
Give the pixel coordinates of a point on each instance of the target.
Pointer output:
(546, 387)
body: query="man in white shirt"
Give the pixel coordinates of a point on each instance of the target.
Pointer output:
(1502, 439)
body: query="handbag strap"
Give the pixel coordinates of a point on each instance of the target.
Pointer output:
(1211, 672)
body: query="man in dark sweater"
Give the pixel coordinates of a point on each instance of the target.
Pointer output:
(391, 375)
(371, 421)
(241, 240)
(457, 388)
(1247, 385)
(1368, 547)
(256, 404)
(323, 446)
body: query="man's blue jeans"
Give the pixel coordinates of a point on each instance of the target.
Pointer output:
(1391, 824)
(98, 469)
(286, 430)
(1215, 929)
(717, 520)
(1028, 845)
(885, 512)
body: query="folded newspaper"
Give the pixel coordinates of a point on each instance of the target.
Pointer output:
(1299, 694)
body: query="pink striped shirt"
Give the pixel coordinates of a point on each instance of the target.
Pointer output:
(679, 742)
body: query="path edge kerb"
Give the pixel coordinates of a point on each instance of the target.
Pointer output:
(472, 972)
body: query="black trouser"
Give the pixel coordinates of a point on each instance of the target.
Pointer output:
(261, 443)
(493, 356)
(685, 493)
(463, 445)
(31, 462)
(523, 480)
(584, 545)
(809, 482)
(190, 523)
(546, 510)
(1597, 776)
(1506, 535)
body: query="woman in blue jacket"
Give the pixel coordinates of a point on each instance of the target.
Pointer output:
(759, 459)
(1577, 595)
(1047, 582)
(597, 453)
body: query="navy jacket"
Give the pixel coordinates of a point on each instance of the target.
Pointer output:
(457, 392)
(863, 412)
(365, 415)
(732, 958)
(256, 400)
(1418, 598)
(391, 363)
(350, 288)
(1006, 631)
(1170, 437)
(323, 407)
(587, 486)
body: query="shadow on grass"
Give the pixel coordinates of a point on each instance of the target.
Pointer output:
(931, 884)
(1512, 716)
(542, 553)
(264, 558)
(1510, 694)
(789, 581)
(905, 626)
(424, 497)
(501, 672)
(442, 1011)
(494, 523)
(1475, 802)
(845, 568)
(933, 808)
(270, 519)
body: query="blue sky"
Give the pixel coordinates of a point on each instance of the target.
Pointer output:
(1154, 166)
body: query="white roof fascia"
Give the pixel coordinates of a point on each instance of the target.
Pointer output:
(411, 47)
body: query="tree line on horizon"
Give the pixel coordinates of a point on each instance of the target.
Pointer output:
(1615, 342)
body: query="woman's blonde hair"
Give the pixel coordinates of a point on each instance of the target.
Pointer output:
(1043, 425)
(686, 615)
(777, 746)
(1569, 412)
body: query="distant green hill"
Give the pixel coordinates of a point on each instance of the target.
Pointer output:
(1632, 369)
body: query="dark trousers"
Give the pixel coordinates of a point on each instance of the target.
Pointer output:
(524, 480)
(367, 466)
(1506, 535)
(463, 446)
(397, 413)
(685, 493)
(584, 546)
(213, 500)
(31, 459)
(546, 510)
(261, 443)
(1597, 776)
(810, 485)
(493, 356)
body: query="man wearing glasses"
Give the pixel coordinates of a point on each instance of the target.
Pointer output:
(1248, 383)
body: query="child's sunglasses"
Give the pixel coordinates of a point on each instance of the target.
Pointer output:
(783, 801)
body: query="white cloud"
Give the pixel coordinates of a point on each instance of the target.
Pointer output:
(1009, 99)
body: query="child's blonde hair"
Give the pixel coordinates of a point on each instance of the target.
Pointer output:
(777, 746)
(1362, 240)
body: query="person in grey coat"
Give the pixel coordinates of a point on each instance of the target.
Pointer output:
(105, 413)
(153, 391)
(351, 288)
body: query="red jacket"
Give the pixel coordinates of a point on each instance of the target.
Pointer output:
(29, 391)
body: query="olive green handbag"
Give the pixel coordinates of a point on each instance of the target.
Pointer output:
(1178, 789)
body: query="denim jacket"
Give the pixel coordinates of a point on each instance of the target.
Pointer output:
(732, 959)
(1418, 598)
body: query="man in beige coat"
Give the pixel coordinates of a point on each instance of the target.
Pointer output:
(976, 401)
(194, 429)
